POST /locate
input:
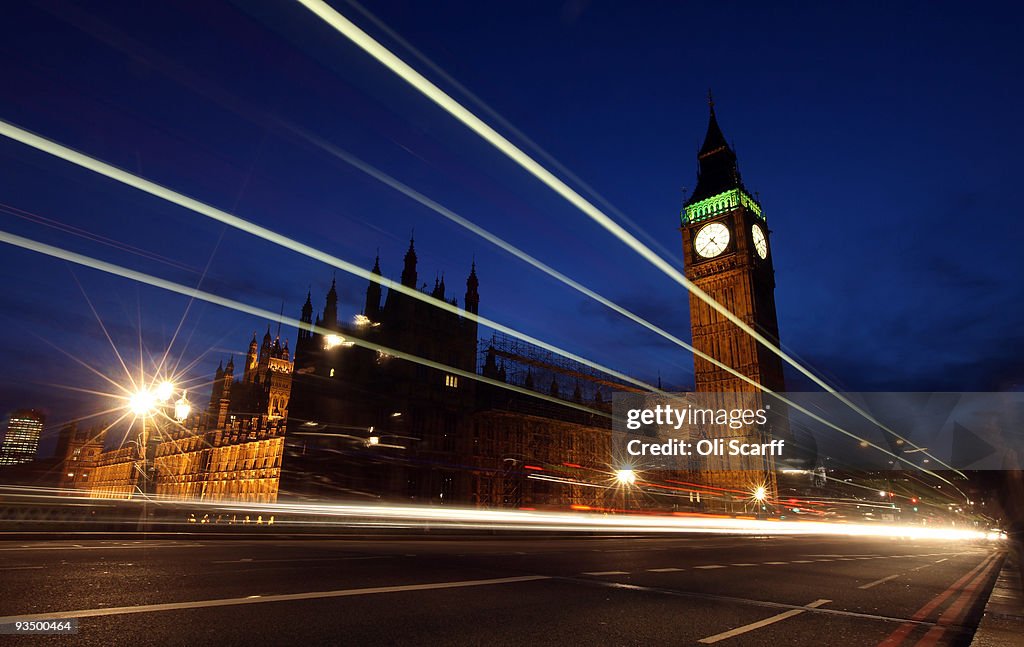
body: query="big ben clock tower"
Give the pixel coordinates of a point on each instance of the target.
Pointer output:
(728, 254)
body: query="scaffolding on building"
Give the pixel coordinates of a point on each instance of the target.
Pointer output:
(530, 366)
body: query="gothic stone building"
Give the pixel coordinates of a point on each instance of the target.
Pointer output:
(366, 422)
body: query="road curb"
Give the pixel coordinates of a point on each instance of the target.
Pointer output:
(1002, 623)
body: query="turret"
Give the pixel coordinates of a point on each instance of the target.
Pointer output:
(265, 348)
(373, 295)
(330, 318)
(305, 332)
(409, 270)
(252, 359)
(473, 291)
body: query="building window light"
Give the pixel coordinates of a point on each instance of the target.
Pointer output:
(333, 341)
(451, 381)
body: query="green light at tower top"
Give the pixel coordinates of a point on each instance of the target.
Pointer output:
(719, 183)
(720, 203)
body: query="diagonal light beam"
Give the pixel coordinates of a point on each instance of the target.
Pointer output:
(383, 55)
(195, 293)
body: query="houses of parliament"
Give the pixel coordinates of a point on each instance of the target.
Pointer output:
(332, 419)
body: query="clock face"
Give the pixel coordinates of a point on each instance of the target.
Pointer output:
(711, 240)
(760, 242)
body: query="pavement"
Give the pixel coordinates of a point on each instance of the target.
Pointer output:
(1002, 624)
(622, 590)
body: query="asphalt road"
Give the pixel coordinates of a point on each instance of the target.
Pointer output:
(566, 591)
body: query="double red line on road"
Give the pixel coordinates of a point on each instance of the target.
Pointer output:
(970, 587)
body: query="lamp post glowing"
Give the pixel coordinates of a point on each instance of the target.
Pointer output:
(142, 402)
(760, 494)
(626, 478)
(148, 404)
(164, 391)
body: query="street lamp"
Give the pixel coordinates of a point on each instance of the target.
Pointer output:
(142, 402)
(148, 404)
(760, 494)
(164, 391)
(626, 478)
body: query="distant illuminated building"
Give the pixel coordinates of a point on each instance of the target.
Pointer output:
(22, 438)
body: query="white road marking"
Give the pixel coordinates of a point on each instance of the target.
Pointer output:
(287, 597)
(743, 564)
(710, 566)
(249, 560)
(606, 573)
(941, 560)
(761, 623)
(664, 570)
(803, 561)
(20, 568)
(876, 582)
(776, 563)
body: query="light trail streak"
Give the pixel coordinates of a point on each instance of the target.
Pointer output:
(110, 268)
(80, 159)
(88, 235)
(367, 43)
(399, 516)
(506, 124)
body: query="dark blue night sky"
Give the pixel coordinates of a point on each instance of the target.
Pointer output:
(884, 142)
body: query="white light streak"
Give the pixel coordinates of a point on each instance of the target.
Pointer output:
(383, 55)
(195, 293)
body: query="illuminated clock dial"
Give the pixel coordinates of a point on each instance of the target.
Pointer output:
(760, 242)
(711, 240)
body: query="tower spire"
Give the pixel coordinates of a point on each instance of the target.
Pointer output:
(373, 293)
(717, 171)
(409, 271)
(330, 318)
